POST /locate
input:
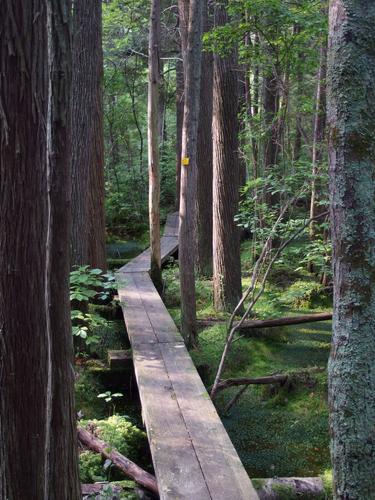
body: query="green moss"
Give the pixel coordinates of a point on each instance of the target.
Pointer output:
(120, 433)
(258, 483)
(91, 467)
(277, 432)
(284, 492)
(87, 388)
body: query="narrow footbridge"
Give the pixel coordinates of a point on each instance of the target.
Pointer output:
(192, 454)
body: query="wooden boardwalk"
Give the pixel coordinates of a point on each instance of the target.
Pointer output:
(192, 454)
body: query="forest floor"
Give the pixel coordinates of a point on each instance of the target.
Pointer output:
(276, 432)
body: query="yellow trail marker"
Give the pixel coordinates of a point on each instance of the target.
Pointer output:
(185, 161)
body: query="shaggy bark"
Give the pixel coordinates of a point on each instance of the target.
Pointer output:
(38, 444)
(351, 118)
(204, 221)
(192, 65)
(88, 232)
(226, 236)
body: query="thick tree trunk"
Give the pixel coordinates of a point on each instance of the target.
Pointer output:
(192, 66)
(38, 444)
(88, 231)
(124, 464)
(319, 133)
(153, 142)
(204, 163)
(351, 118)
(226, 236)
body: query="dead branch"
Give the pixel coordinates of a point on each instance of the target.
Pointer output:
(233, 329)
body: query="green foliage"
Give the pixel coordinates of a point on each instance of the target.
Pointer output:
(110, 399)
(91, 467)
(121, 434)
(303, 294)
(87, 285)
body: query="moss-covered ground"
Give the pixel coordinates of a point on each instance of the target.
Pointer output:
(277, 432)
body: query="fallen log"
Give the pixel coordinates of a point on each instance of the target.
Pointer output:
(98, 489)
(271, 323)
(234, 382)
(122, 463)
(289, 487)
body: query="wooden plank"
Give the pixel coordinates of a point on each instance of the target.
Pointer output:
(168, 246)
(177, 468)
(171, 225)
(223, 471)
(137, 322)
(120, 359)
(163, 325)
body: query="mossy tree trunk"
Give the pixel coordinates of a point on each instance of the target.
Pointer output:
(351, 119)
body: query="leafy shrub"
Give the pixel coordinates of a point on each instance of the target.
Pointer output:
(120, 433)
(87, 285)
(302, 294)
(91, 467)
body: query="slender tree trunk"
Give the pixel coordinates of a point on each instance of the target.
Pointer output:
(183, 20)
(271, 108)
(192, 66)
(38, 444)
(204, 162)
(179, 120)
(319, 132)
(226, 241)
(299, 93)
(88, 232)
(351, 118)
(153, 141)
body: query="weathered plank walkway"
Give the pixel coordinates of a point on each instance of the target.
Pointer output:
(192, 454)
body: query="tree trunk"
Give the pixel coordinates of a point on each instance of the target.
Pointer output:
(192, 66)
(38, 444)
(271, 323)
(153, 142)
(226, 240)
(88, 231)
(290, 487)
(179, 120)
(183, 19)
(351, 118)
(271, 108)
(319, 132)
(204, 163)
(299, 95)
